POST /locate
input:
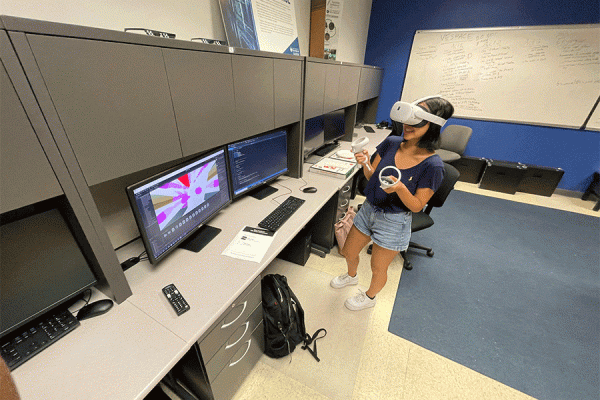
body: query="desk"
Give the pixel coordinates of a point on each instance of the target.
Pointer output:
(126, 352)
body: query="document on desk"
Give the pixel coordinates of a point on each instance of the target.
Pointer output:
(250, 244)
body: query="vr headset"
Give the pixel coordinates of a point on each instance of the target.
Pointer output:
(414, 115)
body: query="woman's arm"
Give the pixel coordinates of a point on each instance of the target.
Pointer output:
(414, 203)
(364, 158)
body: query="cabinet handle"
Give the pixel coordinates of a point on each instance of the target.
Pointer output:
(346, 189)
(238, 317)
(345, 203)
(242, 357)
(241, 337)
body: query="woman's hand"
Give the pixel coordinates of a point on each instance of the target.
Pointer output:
(394, 188)
(363, 158)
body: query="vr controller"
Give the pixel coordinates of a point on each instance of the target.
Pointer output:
(412, 114)
(358, 145)
(386, 181)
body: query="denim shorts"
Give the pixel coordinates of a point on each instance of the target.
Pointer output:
(387, 230)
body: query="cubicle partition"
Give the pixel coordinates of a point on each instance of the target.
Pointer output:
(87, 112)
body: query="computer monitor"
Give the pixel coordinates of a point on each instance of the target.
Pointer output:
(172, 207)
(334, 125)
(314, 135)
(42, 264)
(257, 161)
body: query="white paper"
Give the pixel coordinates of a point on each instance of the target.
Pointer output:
(250, 244)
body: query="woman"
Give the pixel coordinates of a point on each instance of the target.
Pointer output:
(386, 215)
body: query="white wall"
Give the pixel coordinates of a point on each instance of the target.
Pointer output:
(186, 18)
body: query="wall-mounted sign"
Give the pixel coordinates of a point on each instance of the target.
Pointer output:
(333, 20)
(268, 25)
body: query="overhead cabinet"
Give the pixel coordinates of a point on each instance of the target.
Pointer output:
(370, 83)
(349, 80)
(287, 78)
(26, 176)
(203, 98)
(254, 102)
(329, 86)
(113, 101)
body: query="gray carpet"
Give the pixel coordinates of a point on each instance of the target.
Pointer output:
(513, 292)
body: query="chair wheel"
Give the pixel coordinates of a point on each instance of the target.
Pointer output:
(407, 265)
(430, 253)
(370, 249)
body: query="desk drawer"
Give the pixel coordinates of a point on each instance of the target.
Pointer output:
(239, 366)
(237, 340)
(237, 315)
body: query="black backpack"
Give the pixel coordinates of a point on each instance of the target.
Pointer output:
(283, 319)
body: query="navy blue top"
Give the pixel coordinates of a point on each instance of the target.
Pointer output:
(427, 174)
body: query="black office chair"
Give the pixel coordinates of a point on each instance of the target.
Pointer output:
(422, 220)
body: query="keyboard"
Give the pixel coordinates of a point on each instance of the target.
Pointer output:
(328, 148)
(22, 345)
(282, 213)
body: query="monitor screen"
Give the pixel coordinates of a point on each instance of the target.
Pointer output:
(257, 161)
(171, 206)
(42, 264)
(334, 125)
(314, 134)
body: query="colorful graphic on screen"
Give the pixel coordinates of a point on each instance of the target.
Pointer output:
(185, 194)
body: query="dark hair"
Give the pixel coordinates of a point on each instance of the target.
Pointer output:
(442, 108)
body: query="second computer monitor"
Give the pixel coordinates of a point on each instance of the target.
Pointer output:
(257, 161)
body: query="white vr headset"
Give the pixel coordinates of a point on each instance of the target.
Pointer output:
(412, 114)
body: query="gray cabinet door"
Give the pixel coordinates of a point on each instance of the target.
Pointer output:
(314, 89)
(253, 87)
(26, 176)
(370, 83)
(288, 91)
(349, 80)
(332, 86)
(202, 90)
(113, 101)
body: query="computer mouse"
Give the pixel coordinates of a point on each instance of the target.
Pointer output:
(310, 189)
(94, 309)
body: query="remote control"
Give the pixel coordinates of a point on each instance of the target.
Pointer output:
(176, 299)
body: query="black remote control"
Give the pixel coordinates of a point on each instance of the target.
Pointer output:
(176, 299)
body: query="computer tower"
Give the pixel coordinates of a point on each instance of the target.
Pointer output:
(298, 250)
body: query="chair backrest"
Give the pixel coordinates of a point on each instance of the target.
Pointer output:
(451, 176)
(455, 138)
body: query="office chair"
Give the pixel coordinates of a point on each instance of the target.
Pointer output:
(422, 220)
(453, 141)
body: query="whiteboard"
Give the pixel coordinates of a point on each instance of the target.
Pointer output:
(546, 75)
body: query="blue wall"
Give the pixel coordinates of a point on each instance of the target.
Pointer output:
(391, 31)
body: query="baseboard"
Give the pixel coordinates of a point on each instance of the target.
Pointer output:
(568, 193)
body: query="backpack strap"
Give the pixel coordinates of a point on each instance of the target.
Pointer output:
(308, 340)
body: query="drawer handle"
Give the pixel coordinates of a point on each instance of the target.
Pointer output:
(241, 337)
(242, 357)
(346, 189)
(238, 317)
(345, 203)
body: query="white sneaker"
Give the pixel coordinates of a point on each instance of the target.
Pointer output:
(360, 302)
(344, 280)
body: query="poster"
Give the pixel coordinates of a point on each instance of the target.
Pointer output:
(267, 25)
(333, 19)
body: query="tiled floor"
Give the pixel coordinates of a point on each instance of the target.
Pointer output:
(389, 366)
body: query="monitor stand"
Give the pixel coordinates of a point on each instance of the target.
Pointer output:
(263, 192)
(200, 238)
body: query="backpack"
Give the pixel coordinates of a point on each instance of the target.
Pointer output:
(283, 319)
